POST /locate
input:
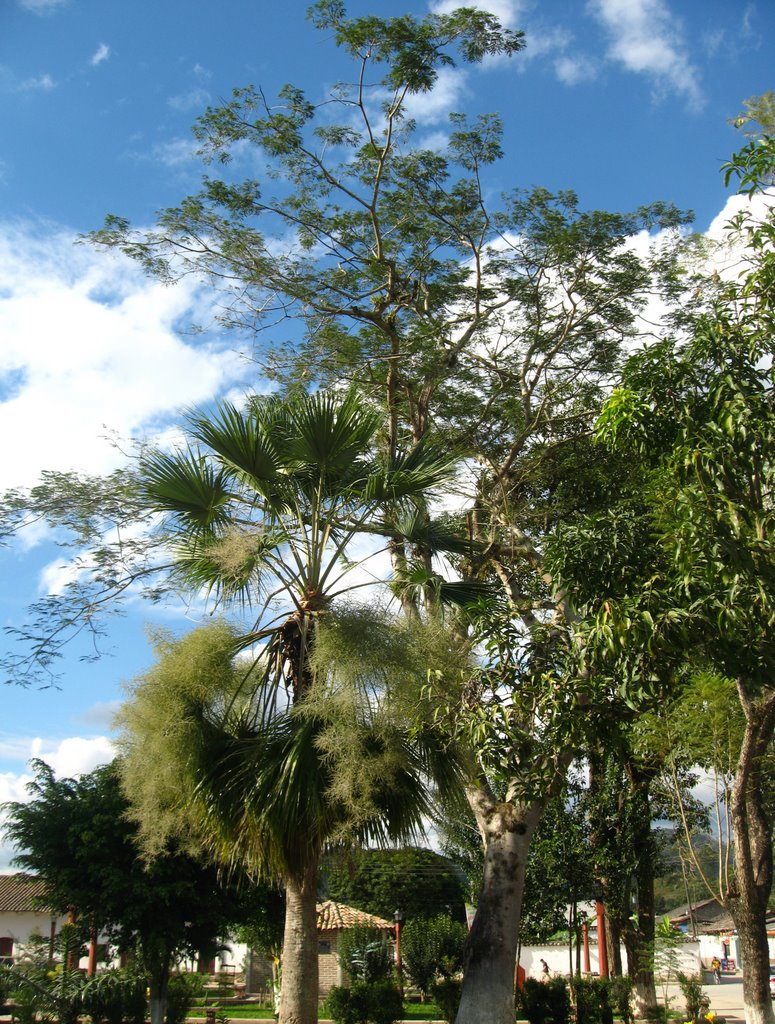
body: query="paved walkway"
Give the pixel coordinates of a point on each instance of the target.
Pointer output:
(726, 998)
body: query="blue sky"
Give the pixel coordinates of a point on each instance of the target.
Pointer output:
(624, 101)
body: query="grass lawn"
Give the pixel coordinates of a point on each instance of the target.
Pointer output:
(412, 1011)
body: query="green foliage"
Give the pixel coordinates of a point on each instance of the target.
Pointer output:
(419, 882)
(758, 118)
(432, 949)
(446, 994)
(77, 835)
(364, 1003)
(599, 1000)
(115, 997)
(544, 1001)
(592, 998)
(181, 993)
(620, 992)
(366, 954)
(693, 993)
(49, 989)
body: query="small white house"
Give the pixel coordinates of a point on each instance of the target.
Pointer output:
(22, 915)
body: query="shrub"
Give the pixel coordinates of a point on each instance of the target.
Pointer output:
(691, 989)
(620, 996)
(432, 950)
(541, 1001)
(365, 1003)
(365, 954)
(115, 997)
(446, 994)
(593, 1000)
(181, 992)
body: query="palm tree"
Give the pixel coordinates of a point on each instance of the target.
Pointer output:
(261, 509)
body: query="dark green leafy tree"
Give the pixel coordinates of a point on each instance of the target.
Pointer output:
(432, 950)
(77, 836)
(416, 881)
(698, 413)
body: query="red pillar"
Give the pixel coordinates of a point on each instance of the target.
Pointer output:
(585, 937)
(91, 968)
(72, 956)
(602, 954)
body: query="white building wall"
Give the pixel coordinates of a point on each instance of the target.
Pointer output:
(559, 961)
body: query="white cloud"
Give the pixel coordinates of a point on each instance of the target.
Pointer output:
(41, 6)
(176, 153)
(436, 141)
(543, 41)
(194, 99)
(203, 74)
(69, 757)
(89, 344)
(573, 70)
(646, 38)
(434, 106)
(100, 54)
(43, 83)
(75, 755)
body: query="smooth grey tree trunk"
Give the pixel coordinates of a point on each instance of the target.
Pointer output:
(299, 989)
(491, 949)
(157, 995)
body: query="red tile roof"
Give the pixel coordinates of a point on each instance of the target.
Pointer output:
(337, 916)
(22, 894)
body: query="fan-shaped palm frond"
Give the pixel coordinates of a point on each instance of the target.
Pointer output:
(188, 486)
(241, 443)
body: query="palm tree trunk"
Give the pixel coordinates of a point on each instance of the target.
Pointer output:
(299, 993)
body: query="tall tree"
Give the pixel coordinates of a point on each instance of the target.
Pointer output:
(496, 325)
(418, 882)
(279, 756)
(698, 412)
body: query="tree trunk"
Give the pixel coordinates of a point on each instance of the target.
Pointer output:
(613, 942)
(747, 901)
(299, 990)
(158, 983)
(491, 948)
(639, 936)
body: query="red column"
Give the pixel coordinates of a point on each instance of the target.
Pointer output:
(602, 954)
(91, 968)
(585, 937)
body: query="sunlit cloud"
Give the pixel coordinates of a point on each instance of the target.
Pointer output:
(574, 70)
(645, 37)
(447, 94)
(176, 152)
(101, 54)
(91, 346)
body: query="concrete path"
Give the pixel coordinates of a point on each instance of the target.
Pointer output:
(726, 998)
